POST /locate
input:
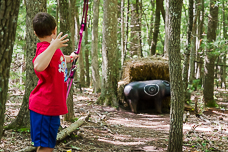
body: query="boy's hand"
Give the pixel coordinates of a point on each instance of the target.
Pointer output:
(75, 56)
(60, 41)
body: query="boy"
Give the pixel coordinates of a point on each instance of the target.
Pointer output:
(48, 100)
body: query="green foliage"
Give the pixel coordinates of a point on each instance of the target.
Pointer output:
(212, 103)
(51, 7)
(76, 119)
(196, 85)
(23, 130)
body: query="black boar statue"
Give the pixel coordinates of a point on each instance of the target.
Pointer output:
(146, 94)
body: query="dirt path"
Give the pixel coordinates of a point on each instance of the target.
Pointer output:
(111, 130)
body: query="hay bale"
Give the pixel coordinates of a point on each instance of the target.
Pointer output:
(142, 69)
(150, 68)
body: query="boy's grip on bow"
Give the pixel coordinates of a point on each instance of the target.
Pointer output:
(70, 77)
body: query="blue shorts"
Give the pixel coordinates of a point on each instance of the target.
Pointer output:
(44, 129)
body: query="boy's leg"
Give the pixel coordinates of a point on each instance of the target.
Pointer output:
(44, 149)
(44, 131)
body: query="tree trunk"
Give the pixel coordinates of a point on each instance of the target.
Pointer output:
(72, 20)
(127, 26)
(223, 85)
(94, 50)
(76, 36)
(208, 91)
(65, 25)
(150, 36)
(193, 48)
(82, 67)
(166, 29)
(81, 58)
(23, 117)
(87, 58)
(156, 29)
(200, 40)
(8, 24)
(187, 52)
(123, 51)
(162, 9)
(139, 12)
(109, 55)
(134, 37)
(177, 108)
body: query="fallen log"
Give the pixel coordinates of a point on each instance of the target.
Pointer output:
(62, 134)
(27, 149)
(66, 132)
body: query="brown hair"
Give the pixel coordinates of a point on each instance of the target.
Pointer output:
(43, 24)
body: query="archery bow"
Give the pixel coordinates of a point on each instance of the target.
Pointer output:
(70, 77)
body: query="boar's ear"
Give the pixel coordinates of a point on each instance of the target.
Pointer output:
(166, 83)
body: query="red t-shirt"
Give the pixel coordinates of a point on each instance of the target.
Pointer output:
(49, 96)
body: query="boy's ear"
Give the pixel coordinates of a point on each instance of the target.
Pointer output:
(54, 31)
(35, 33)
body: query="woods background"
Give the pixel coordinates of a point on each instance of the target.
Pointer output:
(116, 32)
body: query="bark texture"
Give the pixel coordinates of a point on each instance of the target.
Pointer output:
(8, 23)
(187, 52)
(109, 54)
(176, 111)
(65, 25)
(135, 30)
(123, 51)
(166, 29)
(200, 40)
(208, 92)
(32, 8)
(156, 28)
(94, 51)
(87, 65)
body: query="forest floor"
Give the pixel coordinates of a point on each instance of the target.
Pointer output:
(111, 130)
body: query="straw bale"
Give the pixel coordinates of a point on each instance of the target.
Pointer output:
(141, 69)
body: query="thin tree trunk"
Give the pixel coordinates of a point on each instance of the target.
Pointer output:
(200, 49)
(199, 33)
(216, 73)
(162, 9)
(139, 12)
(23, 117)
(87, 58)
(134, 37)
(127, 26)
(208, 92)
(8, 14)
(156, 29)
(72, 20)
(64, 27)
(166, 29)
(123, 51)
(150, 36)
(193, 48)
(109, 55)
(177, 108)
(223, 85)
(94, 51)
(187, 52)
(82, 66)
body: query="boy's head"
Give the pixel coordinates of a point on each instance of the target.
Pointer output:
(43, 24)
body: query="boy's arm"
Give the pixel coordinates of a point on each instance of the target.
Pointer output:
(71, 57)
(43, 60)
